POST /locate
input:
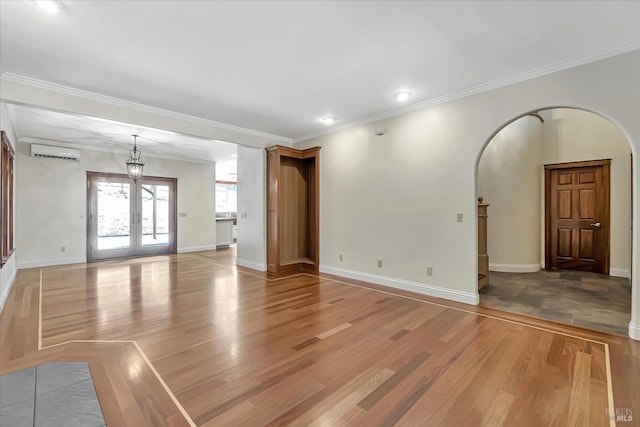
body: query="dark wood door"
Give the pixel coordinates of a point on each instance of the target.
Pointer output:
(577, 216)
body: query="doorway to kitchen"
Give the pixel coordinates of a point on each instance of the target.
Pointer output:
(126, 218)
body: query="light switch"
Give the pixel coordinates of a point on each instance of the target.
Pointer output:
(182, 214)
(459, 217)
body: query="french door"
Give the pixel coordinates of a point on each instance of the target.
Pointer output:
(126, 218)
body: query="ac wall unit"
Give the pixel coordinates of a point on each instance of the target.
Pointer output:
(54, 152)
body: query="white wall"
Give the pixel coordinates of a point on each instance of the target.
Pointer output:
(573, 135)
(51, 203)
(252, 208)
(395, 197)
(509, 180)
(8, 271)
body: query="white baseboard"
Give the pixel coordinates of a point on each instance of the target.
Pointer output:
(251, 265)
(619, 272)
(420, 288)
(51, 262)
(7, 287)
(515, 268)
(634, 331)
(196, 248)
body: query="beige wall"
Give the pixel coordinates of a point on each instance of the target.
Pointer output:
(252, 209)
(395, 197)
(51, 203)
(509, 180)
(574, 135)
(8, 271)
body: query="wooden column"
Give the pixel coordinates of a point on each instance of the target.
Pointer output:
(483, 257)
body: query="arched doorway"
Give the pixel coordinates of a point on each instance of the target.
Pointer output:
(530, 229)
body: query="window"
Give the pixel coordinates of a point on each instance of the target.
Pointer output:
(6, 199)
(226, 198)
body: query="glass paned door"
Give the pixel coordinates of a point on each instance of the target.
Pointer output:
(157, 206)
(155, 214)
(114, 211)
(126, 219)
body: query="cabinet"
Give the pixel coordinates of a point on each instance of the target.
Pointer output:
(224, 232)
(293, 210)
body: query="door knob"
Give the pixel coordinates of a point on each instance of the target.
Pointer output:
(596, 225)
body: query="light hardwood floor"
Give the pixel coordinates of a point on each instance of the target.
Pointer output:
(190, 339)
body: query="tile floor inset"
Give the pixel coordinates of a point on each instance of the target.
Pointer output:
(17, 386)
(73, 406)
(50, 395)
(585, 299)
(55, 375)
(17, 415)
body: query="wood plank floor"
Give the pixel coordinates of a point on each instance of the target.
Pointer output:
(190, 339)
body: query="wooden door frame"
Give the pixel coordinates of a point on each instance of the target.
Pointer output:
(606, 170)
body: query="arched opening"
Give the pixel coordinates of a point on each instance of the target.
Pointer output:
(559, 238)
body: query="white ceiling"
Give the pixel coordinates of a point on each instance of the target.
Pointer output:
(279, 66)
(35, 125)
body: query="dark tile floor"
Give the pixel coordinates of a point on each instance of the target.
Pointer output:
(586, 299)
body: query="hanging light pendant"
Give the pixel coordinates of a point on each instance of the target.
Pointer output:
(135, 163)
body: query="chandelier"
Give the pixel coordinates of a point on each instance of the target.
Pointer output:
(135, 163)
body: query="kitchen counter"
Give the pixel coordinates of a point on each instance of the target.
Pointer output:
(233, 218)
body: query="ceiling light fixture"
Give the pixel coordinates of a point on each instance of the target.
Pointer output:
(403, 96)
(329, 120)
(135, 163)
(49, 6)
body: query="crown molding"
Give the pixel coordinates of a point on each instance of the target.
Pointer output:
(506, 81)
(67, 90)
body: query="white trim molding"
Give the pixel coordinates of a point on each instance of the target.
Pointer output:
(496, 84)
(515, 268)
(93, 96)
(634, 331)
(472, 298)
(51, 262)
(196, 248)
(7, 287)
(251, 265)
(620, 272)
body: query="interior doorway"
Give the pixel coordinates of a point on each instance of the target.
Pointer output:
(126, 218)
(558, 183)
(577, 212)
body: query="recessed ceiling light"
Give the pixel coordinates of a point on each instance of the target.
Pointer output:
(50, 6)
(403, 95)
(329, 120)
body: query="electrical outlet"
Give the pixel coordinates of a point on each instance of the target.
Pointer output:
(429, 271)
(63, 249)
(459, 216)
(340, 256)
(379, 263)
(243, 215)
(182, 214)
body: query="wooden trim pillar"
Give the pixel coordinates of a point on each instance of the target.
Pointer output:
(483, 256)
